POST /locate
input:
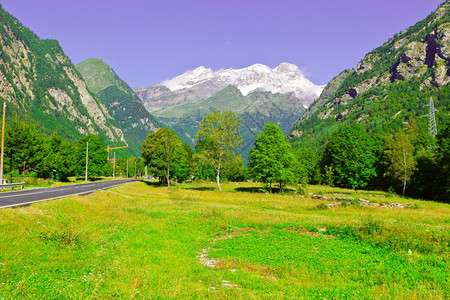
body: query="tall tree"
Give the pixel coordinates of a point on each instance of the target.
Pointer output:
(164, 152)
(272, 159)
(97, 158)
(24, 142)
(351, 154)
(59, 155)
(218, 137)
(399, 158)
(307, 164)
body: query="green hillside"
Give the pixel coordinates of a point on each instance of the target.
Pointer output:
(126, 108)
(388, 87)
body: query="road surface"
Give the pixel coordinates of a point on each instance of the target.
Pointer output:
(25, 197)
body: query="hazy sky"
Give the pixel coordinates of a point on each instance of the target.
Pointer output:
(148, 41)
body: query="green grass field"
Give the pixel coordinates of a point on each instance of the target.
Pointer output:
(143, 241)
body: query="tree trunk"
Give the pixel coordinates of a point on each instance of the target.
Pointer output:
(218, 179)
(168, 180)
(404, 185)
(218, 172)
(281, 187)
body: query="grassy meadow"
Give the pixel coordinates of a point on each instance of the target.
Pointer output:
(142, 241)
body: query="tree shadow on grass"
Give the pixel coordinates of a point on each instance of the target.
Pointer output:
(259, 190)
(90, 179)
(202, 188)
(154, 183)
(264, 190)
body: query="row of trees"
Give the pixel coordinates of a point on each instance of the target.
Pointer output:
(28, 149)
(272, 160)
(352, 158)
(405, 162)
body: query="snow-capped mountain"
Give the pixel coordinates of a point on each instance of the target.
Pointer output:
(283, 79)
(257, 94)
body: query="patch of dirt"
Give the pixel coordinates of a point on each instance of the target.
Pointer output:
(205, 260)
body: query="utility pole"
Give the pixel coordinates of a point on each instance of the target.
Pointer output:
(432, 130)
(3, 144)
(87, 156)
(114, 165)
(135, 168)
(127, 167)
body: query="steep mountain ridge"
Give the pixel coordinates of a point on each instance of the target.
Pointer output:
(39, 82)
(389, 85)
(126, 108)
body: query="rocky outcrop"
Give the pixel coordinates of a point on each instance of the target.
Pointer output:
(361, 202)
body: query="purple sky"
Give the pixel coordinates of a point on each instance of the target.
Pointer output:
(148, 41)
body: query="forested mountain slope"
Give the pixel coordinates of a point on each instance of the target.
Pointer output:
(388, 87)
(125, 107)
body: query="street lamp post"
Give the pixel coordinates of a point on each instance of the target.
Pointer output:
(87, 158)
(3, 144)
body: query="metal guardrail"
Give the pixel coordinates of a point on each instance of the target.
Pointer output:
(12, 185)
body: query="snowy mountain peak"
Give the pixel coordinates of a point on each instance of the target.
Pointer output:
(189, 78)
(284, 78)
(289, 69)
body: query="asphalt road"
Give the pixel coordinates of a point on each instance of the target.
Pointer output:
(25, 197)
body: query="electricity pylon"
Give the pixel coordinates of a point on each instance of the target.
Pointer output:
(432, 130)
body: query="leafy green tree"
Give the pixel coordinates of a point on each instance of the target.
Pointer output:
(351, 153)
(443, 162)
(24, 142)
(234, 169)
(59, 155)
(164, 153)
(272, 159)
(218, 137)
(399, 158)
(121, 166)
(132, 162)
(307, 164)
(97, 158)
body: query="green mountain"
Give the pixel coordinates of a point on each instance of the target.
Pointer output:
(389, 86)
(255, 109)
(125, 107)
(39, 82)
